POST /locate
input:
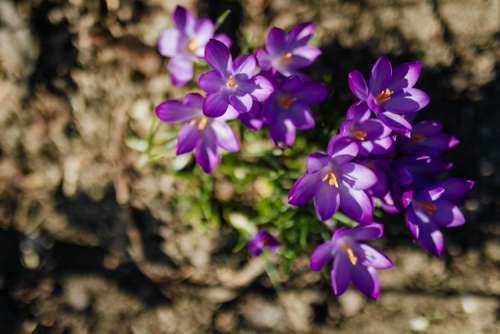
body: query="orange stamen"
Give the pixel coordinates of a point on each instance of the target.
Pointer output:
(427, 206)
(331, 178)
(417, 137)
(359, 134)
(353, 258)
(286, 101)
(192, 45)
(384, 96)
(287, 58)
(231, 82)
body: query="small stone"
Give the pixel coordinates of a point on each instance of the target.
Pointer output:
(419, 324)
(351, 303)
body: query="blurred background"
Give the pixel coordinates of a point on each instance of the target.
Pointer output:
(97, 238)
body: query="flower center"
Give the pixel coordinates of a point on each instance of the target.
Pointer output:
(384, 96)
(417, 137)
(192, 45)
(427, 206)
(287, 58)
(202, 122)
(331, 179)
(286, 101)
(353, 258)
(231, 82)
(359, 134)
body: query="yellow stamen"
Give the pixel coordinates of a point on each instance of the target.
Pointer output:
(353, 258)
(429, 207)
(192, 45)
(192, 122)
(231, 82)
(286, 101)
(384, 96)
(417, 137)
(331, 178)
(359, 134)
(202, 123)
(287, 58)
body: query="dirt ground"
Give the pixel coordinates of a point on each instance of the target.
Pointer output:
(92, 239)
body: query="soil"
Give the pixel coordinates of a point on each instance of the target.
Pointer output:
(90, 241)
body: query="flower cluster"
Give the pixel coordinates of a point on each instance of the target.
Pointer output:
(262, 89)
(381, 157)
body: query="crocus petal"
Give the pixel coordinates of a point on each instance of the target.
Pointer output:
(356, 204)
(342, 149)
(252, 119)
(381, 146)
(311, 92)
(180, 69)
(412, 222)
(254, 247)
(365, 279)
(168, 42)
(374, 258)
(218, 56)
(301, 34)
(431, 239)
(276, 40)
(211, 81)
(326, 201)
(203, 31)
(215, 104)
(183, 19)
(341, 273)
(188, 138)
(245, 64)
(358, 176)
(242, 103)
(173, 111)
(301, 117)
(206, 152)
(447, 214)
(321, 256)
(263, 59)
(395, 121)
(264, 88)
(407, 100)
(380, 75)
(358, 112)
(225, 136)
(315, 161)
(303, 189)
(311, 53)
(366, 232)
(224, 39)
(456, 189)
(358, 85)
(405, 76)
(282, 132)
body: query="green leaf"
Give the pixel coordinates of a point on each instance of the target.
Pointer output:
(222, 17)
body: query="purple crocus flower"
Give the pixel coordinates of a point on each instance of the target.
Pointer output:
(390, 93)
(334, 181)
(287, 53)
(185, 43)
(261, 240)
(231, 85)
(352, 260)
(288, 108)
(426, 138)
(435, 207)
(372, 135)
(200, 133)
(418, 170)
